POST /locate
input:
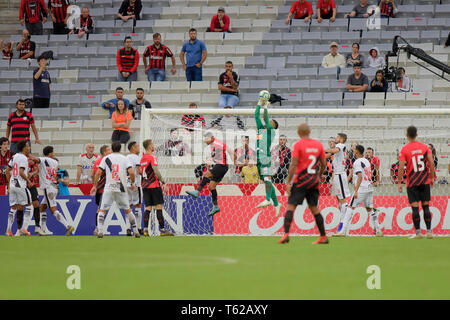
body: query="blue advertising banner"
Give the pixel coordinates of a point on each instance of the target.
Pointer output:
(183, 214)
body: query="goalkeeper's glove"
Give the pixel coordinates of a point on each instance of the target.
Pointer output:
(266, 104)
(261, 102)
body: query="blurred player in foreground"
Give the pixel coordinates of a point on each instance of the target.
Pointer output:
(308, 165)
(420, 176)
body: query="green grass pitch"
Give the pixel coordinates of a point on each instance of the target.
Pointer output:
(223, 268)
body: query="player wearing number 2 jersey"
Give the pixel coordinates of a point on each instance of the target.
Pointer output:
(420, 175)
(115, 166)
(308, 165)
(363, 193)
(48, 167)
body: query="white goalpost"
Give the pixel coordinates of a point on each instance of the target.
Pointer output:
(183, 156)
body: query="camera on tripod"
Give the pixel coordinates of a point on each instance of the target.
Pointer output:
(391, 74)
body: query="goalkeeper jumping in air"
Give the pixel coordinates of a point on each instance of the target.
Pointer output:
(264, 137)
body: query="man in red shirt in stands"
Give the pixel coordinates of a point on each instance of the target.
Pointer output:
(127, 61)
(220, 22)
(326, 9)
(32, 14)
(302, 9)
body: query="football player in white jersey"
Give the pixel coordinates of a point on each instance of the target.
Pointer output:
(135, 197)
(18, 181)
(340, 179)
(48, 168)
(116, 167)
(85, 164)
(362, 176)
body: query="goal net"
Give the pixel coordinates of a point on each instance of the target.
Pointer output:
(183, 157)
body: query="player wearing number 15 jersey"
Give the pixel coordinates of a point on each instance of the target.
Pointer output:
(308, 165)
(420, 175)
(48, 167)
(115, 166)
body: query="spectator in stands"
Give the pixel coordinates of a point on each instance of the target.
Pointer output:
(174, 147)
(359, 11)
(58, 13)
(394, 171)
(403, 85)
(434, 154)
(157, 54)
(446, 44)
(388, 8)
(7, 50)
(358, 81)
(379, 83)
(32, 14)
(121, 121)
(333, 59)
(281, 155)
(375, 60)
(243, 154)
(41, 85)
(86, 23)
(250, 172)
(220, 22)
(26, 47)
(18, 125)
(112, 103)
(326, 9)
(127, 61)
(355, 56)
(302, 9)
(130, 9)
(228, 122)
(374, 165)
(328, 173)
(191, 121)
(63, 182)
(228, 86)
(85, 164)
(139, 103)
(195, 51)
(5, 156)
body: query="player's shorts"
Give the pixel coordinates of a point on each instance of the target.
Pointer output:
(419, 193)
(218, 172)
(340, 186)
(153, 196)
(265, 170)
(135, 197)
(50, 197)
(98, 199)
(109, 197)
(19, 196)
(34, 193)
(363, 197)
(299, 194)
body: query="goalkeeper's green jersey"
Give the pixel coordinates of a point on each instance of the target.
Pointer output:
(264, 136)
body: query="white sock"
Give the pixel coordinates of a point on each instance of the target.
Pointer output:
(44, 221)
(132, 220)
(27, 217)
(343, 210)
(374, 218)
(100, 221)
(138, 214)
(11, 215)
(128, 222)
(347, 219)
(61, 218)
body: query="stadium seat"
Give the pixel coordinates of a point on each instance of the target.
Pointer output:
(68, 76)
(72, 125)
(80, 113)
(299, 25)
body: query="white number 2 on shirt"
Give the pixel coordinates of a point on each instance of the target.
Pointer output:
(310, 170)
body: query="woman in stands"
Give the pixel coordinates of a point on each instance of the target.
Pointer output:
(404, 84)
(121, 121)
(354, 56)
(378, 84)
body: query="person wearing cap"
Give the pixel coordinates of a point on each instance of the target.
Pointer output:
(220, 22)
(333, 59)
(302, 9)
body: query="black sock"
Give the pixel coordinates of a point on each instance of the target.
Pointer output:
(146, 218)
(427, 216)
(160, 218)
(416, 218)
(288, 220)
(203, 183)
(320, 225)
(96, 218)
(37, 217)
(19, 217)
(214, 196)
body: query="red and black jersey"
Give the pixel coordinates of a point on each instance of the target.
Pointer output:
(387, 9)
(149, 179)
(193, 120)
(127, 60)
(102, 180)
(4, 160)
(28, 47)
(32, 168)
(308, 152)
(32, 10)
(87, 23)
(394, 169)
(7, 55)
(58, 9)
(225, 81)
(20, 126)
(415, 154)
(157, 56)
